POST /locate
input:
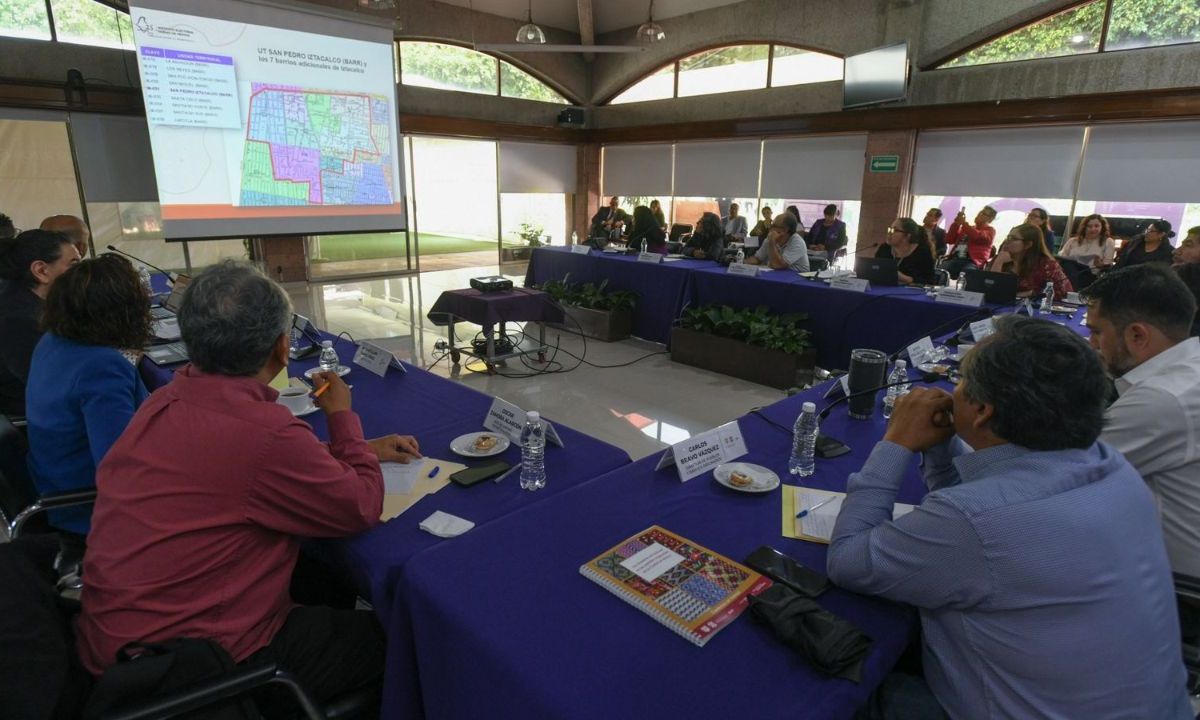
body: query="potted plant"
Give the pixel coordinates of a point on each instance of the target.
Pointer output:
(751, 344)
(593, 310)
(532, 235)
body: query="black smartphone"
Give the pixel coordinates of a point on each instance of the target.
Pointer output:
(474, 475)
(828, 447)
(781, 568)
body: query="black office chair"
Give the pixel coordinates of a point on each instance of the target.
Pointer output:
(16, 489)
(816, 263)
(678, 230)
(941, 277)
(1187, 594)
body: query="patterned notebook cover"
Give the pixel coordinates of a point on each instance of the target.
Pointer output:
(686, 587)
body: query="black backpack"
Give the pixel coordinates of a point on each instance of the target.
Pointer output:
(148, 670)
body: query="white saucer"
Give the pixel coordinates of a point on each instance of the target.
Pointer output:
(312, 408)
(761, 479)
(342, 371)
(465, 445)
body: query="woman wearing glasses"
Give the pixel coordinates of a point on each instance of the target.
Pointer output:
(912, 250)
(1038, 218)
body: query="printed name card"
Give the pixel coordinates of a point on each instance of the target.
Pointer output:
(743, 269)
(982, 328)
(370, 356)
(921, 351)
(853, 284)
(649, 257)
(959, 297)
(581, 249)
(507, 419)
(704, 451)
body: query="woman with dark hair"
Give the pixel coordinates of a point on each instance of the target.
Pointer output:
(646, 234)
(84, 386)
(708, 240)
(1153, 245)
(29, 265)
(1092, 245)
(656, 210)
(1024, 254)
(1039, 218)
(912, 250)
(795, 211)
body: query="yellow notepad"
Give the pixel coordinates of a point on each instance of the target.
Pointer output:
(817, 525)
(395, 503)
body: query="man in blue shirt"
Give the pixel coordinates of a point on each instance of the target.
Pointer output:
(1035, 560)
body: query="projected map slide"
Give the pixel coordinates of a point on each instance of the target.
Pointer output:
(249, 122)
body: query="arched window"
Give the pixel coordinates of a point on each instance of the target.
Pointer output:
(86, 22)
(1090, 27)
(732, 68)
(451, 67)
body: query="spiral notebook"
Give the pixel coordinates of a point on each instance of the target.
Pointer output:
(688, 588)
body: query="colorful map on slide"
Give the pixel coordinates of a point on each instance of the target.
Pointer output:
(316, 147)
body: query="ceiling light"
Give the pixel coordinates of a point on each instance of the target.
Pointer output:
(531, 34)
(650, 31)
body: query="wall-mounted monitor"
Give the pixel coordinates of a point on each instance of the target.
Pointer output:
(876, 76)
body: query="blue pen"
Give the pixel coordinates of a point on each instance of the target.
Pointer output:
(802, 513)
(435, 471)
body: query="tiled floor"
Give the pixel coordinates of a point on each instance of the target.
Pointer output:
(639, 407)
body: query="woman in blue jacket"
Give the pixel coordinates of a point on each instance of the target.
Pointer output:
(84, 384)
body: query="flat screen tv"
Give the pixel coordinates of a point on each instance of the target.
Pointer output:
(876, 76)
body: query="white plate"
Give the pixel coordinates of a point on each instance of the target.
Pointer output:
(465, 444)
(312, 408)
(342, 371)
(761, 479)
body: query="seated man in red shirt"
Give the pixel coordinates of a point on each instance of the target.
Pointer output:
(970, 247)
(205, 497)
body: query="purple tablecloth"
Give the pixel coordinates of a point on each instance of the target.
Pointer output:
(491, 308)
(435, 410)
(885, 318)
(504, 624)
(660, 288)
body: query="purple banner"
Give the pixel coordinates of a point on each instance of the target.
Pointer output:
(153, 52)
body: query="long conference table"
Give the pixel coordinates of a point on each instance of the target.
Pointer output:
(884, 318)
(500, 623)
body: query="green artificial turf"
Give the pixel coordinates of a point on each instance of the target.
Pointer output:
(377, 246)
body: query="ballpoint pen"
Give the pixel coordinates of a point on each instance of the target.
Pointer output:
(806, 511)
(508, 472)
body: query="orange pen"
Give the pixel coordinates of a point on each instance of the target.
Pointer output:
(321, 390)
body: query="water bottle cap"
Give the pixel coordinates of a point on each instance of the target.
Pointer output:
(808, 407)
(901, 364)
(326, 343)
(532, 415)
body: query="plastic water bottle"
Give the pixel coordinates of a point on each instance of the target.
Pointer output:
(533, 452)
(895, 392)
(144, 277)
(804, 442)
(574, 238)
(741, 256)
(1047, 298)
(329, 358)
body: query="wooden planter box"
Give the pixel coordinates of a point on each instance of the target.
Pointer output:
(598, 324)
(773, 368)
(515, 254)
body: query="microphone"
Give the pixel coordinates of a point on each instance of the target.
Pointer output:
(171, 277)
(925, 377)
(962, 321)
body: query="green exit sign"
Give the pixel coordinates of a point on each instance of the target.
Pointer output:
(885, 163)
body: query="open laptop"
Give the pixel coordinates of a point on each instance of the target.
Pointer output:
(998, 288)
(170, 306)
(168, 354)
(877, 271)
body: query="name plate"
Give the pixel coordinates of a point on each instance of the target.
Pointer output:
(743, 269)
(982, 328)
(581, 249)
(845, 282)
(509, 420)
(704, 451)
(649, 257)
(370, 356)
(959, 297)
(921, 351)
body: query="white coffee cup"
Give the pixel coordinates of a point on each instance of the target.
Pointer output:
(295, 398)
